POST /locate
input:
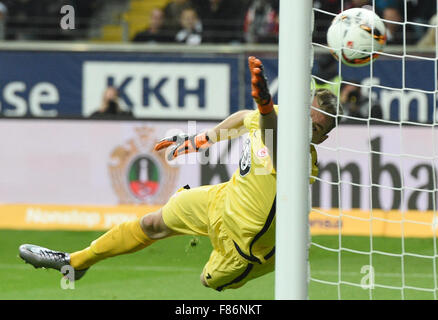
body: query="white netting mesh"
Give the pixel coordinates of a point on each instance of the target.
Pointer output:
(374, 203)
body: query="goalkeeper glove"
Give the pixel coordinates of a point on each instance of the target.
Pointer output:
(182, 143)
(259, 86)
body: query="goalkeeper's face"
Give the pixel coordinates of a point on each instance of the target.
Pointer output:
(320, 124)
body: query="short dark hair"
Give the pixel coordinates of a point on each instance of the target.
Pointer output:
(328, 102)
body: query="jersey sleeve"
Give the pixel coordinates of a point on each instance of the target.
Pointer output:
(313, 164)
(251, 121)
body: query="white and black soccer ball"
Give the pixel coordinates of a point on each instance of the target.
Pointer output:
(356, 36)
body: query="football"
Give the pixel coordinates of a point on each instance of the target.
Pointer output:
(356, 36)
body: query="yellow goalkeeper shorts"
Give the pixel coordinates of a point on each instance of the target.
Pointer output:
(199, 211)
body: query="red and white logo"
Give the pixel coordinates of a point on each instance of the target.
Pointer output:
(263, 152)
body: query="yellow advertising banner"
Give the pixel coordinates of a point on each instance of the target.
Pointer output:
(419, 224)
(61, 217)
(379, 223)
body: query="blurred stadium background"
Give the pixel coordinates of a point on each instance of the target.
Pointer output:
(77, 158)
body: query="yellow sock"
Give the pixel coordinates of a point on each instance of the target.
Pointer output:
(126, 237)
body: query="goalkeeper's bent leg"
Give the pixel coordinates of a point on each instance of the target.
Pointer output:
(124, 238)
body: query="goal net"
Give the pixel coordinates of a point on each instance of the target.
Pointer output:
(374, 203)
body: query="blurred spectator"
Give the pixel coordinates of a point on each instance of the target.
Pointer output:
(324, 19)
(222, 20)
(326, 72)
(391, 10)
(420, 12)
(261, 21)
(191, 32)
(39, 20)
(356, 4)
(3, 14)
(357, 105)
(110, 108)
(327, 67)
(173, 10)
(18, 24)
(428, 40)
(156, 31)
(85, 10)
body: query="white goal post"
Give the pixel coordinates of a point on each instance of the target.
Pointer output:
(381, 174)
(375, 209)
(291, 278)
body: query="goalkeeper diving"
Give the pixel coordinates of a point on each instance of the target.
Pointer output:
(238, 216)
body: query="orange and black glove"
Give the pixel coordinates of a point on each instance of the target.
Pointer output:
(182, 144)
(259, 86)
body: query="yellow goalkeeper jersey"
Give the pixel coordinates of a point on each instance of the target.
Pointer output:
(249, 215)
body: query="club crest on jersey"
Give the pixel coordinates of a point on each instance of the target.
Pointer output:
(139, 174)
(262, 153)
(245, 160)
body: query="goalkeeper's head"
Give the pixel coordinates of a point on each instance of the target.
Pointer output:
(324, 114)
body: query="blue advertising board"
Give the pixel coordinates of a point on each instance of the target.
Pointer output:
(404, 89)
(184, 86)
(62, 84)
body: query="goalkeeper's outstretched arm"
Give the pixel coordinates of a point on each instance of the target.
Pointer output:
(268, 126)
(268, 116)
(232, 127)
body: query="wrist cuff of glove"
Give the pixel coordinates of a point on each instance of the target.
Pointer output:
(202, 141)
(266, 108)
